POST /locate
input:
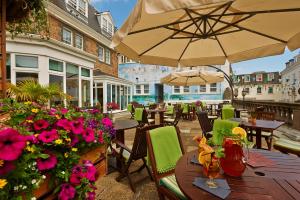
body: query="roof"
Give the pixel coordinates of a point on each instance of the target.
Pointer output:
(92, 17)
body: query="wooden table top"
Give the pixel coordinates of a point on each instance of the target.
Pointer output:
(124, 124)
(264, 124)
(156, 110)
(281, 180)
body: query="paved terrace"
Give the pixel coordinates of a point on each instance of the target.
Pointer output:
(109, 189)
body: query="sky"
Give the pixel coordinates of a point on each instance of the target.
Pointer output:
(120, 9)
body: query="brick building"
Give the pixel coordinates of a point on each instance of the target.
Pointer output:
(77, 55)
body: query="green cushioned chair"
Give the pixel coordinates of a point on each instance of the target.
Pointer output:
(287, 146)
(227, 112)
(170, 110)
(131, 110)
(164, 149)
(221, 125)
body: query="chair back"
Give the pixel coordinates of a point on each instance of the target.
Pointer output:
(178, 116)
(152, 106)
(163, 137)
(139, 147)
(204, 122)
(266, 115)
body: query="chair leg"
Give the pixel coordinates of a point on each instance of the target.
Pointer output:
(147, 168)
(130, 182)
(269, 142)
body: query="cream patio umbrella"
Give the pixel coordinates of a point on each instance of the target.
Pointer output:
(192, 77)
(208, 32)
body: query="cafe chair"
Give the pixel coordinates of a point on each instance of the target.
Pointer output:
(287, 146)
(165, 148)
(174, 122)
(266, 134)
(130, 109)
(186, 113)
(205, 124)
(170, 111)
(141, 116)
(227, 112)
(221, 125)
(126, 155)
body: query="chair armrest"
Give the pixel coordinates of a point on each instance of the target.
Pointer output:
(123, 146)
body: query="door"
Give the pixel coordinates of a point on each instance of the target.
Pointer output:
(159, 93)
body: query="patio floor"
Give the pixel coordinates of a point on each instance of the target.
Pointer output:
(109, 189)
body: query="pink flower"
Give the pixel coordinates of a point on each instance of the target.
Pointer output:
(11, 144)
(75, 178)
(91, 196)
(48, 163)
(52, 111)
(7, 167)
(77, 127)
(88, 135)
(74, 140)
(91, 170)
(67, 192)
(48, 136)
(65, 124)
(31, 138)
(100, 137)
(107, 122)
(64, 111)
(40, 124)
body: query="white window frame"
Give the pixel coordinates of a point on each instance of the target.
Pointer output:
(104, 24)
(260, 90)
(109, 28)
(210, 88)
(271, 76)
(175, 88)
(142, 89)
(184, 89)
(257, 77)
(75, 5)
(62, 36)
(247, 80)
(201, 86)
(79, 35)
(101, 59)
(109, 53)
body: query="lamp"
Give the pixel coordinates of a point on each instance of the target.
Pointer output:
(244, 92)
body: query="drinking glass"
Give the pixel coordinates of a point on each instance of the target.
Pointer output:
(212, 170)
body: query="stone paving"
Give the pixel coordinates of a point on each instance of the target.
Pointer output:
(109, 189)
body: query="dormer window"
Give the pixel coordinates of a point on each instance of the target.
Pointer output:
(80, 5)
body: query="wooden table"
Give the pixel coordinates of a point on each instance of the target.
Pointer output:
(160, 112)
(122, 125)
(281, 181)
(260, 125)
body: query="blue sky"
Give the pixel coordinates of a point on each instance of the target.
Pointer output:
(120, 9)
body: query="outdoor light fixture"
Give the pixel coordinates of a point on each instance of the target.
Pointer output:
(244, 92)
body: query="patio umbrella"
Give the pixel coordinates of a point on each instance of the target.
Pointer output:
(207, 32)
(192, 77)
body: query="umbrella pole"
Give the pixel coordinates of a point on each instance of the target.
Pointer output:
(229, 80)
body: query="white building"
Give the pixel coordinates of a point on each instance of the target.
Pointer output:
(291, 80)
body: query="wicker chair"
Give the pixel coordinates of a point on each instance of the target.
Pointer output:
(126, 156)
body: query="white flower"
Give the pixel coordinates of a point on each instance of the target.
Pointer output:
(33, 181)
(16, 188)
(34, 163)
(63, 172)
(33, 198)
(33, 168)
(43, 177)
(24, 187)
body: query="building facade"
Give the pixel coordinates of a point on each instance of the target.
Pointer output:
(78, 45)
(258, 86)
(291, 80)
(147, 87)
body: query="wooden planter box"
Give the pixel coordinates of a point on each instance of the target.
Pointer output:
(99, 158)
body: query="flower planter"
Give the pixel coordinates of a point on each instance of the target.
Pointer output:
(97, 156)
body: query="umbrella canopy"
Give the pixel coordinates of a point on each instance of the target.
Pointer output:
(207, 32)
(192, 77)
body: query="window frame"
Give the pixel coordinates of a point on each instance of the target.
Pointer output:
(248, 79)
(101, 47)
(201, 87)
(176, 88)
(260, 90)
(62, 36)
(107, 50)
(273, 76)
(257, 77)
(270, 90)
(81, 36)
(186, 89)
(210, 88)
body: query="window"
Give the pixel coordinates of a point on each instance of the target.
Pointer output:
(26, 61)
(146, 89)
(258, 90)
(202, 88)
(270, 90)
(259, 77)
(8, 68)
(72, 3)
(82, 7)
(213, 87)
(85, 93)
(176, 89)
(271, 77)
(104, 24)
(58, 80)
(56, 65)
(247, 78)
(72, 83)
(108, 93)
(67, 36)
(186, 89)
(79, 5)
(22, 76)
(247, 90)
(101, 53)
(78, 41)
(85, 72)
(109, 29)
(107, 56)
(138, 89)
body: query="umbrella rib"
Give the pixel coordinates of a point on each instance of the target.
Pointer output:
(174, 29)
(221, 46)
(252, 31)
(165, 39)
(195, 23)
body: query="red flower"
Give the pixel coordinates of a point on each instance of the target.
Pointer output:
(48, 136)
(11, 144)
(65, 124)
(77, 127)
(88, 135)
(40, 124)
(48, 163)
(67, 192)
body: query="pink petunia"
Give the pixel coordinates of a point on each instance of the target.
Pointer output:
(91, 196)
(52, 111)
(91, 170)
(65, 124)
(31, 138)
(67, 192)
(107, 122)
(48, 136)
(48, 163)
(88, 135)
(7, 167)
(74, 140)
(75, 178)
(40, 124)
(77, 127)
(64, 111)
(12, 144)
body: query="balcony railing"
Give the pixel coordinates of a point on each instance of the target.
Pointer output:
(287, 112)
